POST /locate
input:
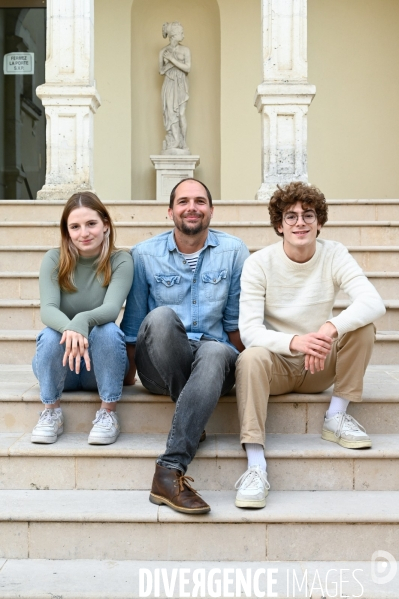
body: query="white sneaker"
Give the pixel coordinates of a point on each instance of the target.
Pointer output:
(106, 428)
(49, 427)
(346, 431)
(252, 488)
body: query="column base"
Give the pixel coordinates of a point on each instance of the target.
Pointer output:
(61, 192)
(171, 169)
(266, 190)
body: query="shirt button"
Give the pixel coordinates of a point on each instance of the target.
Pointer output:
(195, 323)
(195, 280)
(214, 280)
(194, 302)
(168, 283)
(184, 262)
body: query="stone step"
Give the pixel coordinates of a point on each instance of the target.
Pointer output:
(28, 258)
(25, 285)
(18, 346)
(120, 525)
(20, 285)
(26, 210)
(383, 233)
(142, 412)
(386, 283)
(112, 579)
(294, 463)
(25, 314)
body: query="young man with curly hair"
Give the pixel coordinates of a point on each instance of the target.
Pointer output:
(293, 342)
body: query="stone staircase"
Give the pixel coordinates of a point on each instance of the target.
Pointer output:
(75, 520)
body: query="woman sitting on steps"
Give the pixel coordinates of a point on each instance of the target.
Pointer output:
(83, 285)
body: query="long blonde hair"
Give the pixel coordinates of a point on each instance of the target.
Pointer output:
(69, 254)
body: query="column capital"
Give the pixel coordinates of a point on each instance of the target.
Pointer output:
(281, 94)
(57, 94)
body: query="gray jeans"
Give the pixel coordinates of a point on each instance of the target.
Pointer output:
(194, 373)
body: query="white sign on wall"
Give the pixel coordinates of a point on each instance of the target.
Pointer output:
(19, 63)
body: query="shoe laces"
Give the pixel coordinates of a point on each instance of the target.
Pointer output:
(103, 418)
(47, 416)
(350, 423)
(183, 481)
(252, 477)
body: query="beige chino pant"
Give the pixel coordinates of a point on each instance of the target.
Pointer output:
(260, 373)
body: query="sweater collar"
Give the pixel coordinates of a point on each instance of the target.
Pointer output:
(299, 266)
(87, 261)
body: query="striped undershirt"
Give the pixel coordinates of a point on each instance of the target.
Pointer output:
(192, 259)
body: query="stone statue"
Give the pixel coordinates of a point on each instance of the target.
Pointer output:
(174, 65)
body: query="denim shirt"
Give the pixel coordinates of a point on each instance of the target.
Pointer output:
(206, 301)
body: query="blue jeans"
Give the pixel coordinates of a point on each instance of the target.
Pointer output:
(194, 373)
(109, 364)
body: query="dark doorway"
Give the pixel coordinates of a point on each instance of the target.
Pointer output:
(22, 117)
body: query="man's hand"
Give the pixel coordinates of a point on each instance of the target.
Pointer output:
(235, 339)
(315, 346)
(328, 329)
(314, 364)
(76, 347)
(130, 378)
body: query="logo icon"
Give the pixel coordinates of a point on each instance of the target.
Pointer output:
(383, 567)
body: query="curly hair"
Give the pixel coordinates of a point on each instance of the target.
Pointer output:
(285, 197)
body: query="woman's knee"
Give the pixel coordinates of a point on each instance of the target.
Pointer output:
(106, 336)
(48, 341)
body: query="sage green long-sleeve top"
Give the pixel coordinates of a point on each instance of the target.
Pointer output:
(92, 304)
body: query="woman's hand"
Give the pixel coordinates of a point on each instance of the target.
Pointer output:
(76, 347)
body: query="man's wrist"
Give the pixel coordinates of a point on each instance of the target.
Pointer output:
(332, 327)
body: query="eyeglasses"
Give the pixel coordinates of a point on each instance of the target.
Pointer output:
(291, 218)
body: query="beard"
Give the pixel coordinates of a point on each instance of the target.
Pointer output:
(193, 230)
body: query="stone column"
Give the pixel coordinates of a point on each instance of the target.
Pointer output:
(70, 98)
(285, 94)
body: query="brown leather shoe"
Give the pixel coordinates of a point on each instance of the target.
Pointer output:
(172, 488)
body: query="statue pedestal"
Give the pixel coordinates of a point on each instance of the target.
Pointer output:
(170, 170)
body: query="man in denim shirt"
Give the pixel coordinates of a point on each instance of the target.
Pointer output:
(181, 327)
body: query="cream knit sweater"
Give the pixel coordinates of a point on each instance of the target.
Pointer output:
(281, 298)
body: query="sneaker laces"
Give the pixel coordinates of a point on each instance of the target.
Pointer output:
(252, 475)
(47, 416)
(103, 418)
(350, 423)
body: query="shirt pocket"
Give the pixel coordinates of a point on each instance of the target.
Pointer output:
(215, 285)
(168, 289)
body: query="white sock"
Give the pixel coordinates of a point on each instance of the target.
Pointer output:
(255, 455)
(58, 410)
(337, 404)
